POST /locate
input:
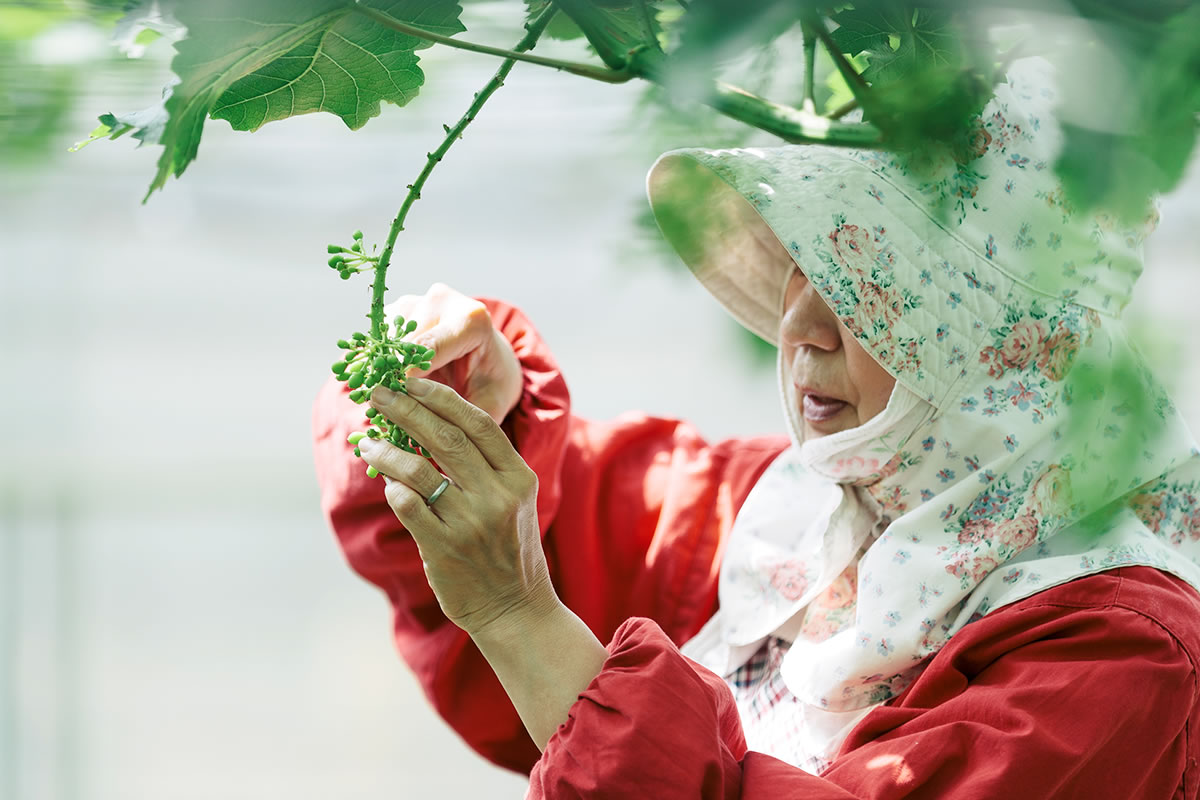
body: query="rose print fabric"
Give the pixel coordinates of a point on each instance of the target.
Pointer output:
(1025, 444)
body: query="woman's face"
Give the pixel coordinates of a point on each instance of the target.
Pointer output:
(838, 385)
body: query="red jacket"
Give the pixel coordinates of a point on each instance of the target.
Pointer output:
(1086, 690)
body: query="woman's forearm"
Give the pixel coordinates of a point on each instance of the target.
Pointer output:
(544, 661)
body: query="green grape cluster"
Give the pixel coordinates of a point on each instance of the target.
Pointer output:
(353, 259)
(371, 362)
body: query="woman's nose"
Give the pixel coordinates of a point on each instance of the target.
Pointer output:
(808, 321)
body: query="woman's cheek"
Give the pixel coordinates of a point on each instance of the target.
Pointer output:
(872, 383)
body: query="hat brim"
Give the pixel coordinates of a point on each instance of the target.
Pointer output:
(723, 240)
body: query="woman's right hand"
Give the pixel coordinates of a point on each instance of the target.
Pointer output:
(472, 356)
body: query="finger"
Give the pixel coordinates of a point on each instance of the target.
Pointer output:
(414, 514)
(410, 469)
(449, 444)
(478, 426)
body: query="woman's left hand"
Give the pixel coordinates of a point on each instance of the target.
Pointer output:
(479, 539)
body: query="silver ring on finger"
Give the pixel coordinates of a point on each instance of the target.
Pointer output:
(438, 492)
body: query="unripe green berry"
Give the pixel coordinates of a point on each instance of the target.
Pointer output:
(338, 367)
(371, 413)
(357, 395)
(356, 380)
(345, 274)
(393, 361)
(399, 323)
(424, 365)
(335, 248)
(342, 376)
(373, 433)
(358, 452)
(335, 260)
(342, 343)
(356, 247)
(355, 437)
(358, 234)
(395, 386)
(410, 327)
(359, 335)
(380, 363)
(372, 472)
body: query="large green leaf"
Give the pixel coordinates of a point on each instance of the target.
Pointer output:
(255, 61)
(929, 71)
(926, 41)
(867, 29)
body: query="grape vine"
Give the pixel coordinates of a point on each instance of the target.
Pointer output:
(382, 357)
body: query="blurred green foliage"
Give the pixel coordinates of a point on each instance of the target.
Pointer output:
(38, 91)
(34, 98)
(915, 71)
(912, 73)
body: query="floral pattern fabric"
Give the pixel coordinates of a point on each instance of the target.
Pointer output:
(1025, 445)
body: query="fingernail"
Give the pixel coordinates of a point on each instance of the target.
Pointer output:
(382, 394)
(417, 386)
(366, 445)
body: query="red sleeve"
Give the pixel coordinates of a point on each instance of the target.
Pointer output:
(1083, 691)
(633, 515)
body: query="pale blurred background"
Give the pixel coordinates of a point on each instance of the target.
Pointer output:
(176, 621)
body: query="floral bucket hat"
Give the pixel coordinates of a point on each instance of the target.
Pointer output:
(1026, 444)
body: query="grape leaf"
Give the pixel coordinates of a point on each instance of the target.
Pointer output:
(623, 16)
(929, 72)
(866, 29)
(623, 21)
(253, 62)
(146, 125)
(927, 41)
(561, 26)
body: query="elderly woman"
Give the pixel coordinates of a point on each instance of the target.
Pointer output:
(968, 571)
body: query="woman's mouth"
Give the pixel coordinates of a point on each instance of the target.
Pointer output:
(818, 408)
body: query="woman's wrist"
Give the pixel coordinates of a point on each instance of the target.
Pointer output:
(520, 619)
(545, 657)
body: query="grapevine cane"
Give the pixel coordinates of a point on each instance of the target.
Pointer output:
(382, 357)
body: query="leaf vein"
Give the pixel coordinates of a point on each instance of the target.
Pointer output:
(386, 71)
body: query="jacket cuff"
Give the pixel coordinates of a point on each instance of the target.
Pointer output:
(653, 723)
